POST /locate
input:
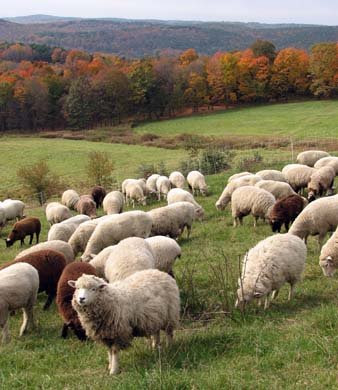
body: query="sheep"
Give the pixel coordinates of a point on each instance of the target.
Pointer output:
(277, 188)
(87, 206)
(298, 176)
(172, 219)
(49, 265)
(13, 209)
(225, 198)
(115, 228)
(284, 211)
(151, 183)
(162, 186)
(196, 182)
(321, 181)
(140, 182)
(239, 175)
(331, 161)
(166, 251)
(13, 298)
(113, 203)
(2, 216)
(70, 198)
(271, 174)
(113, 314)
(26, 227)
(64, 298)
(56, 245)
(251, 200)
(99, 261)
(328, 259)
(98, 193)
(178, 195)
(56, 212)
(134, 193)
(310, 157)
(318, 218)
(77, 219)
(127, 257)
(61, 231)
(277, 260)
(177, 180)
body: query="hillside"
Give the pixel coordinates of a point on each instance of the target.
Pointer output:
(137, 38)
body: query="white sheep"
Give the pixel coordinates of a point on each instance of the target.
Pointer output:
(115, 228)
(166, 251)
(277, 188)
(56, 212)
(151, 183)
(99, 261)
(196, 182)
(317, 218)
(162, 186)
(142, 304)
(70, 198)
(251, 200)
(2, 216)
(77, 219)
(328, 259)
(239, 175)
(113, 202)
(277, 260)
(298, 176)
(331, 161)
(310, 157)
(177, 180)
(19, 285)
(13, 209)
(134, 193)
(63, 230)
(321, 182)
(178, 195)
(140, 182)
(271, 174)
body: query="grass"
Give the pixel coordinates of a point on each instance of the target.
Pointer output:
(300, 120)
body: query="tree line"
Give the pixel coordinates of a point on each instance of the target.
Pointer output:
(52, 88)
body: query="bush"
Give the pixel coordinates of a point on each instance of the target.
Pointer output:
(100, 169)
(145, 170)
(249, 163)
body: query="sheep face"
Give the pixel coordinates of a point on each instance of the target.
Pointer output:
(276, 225)
(9, 242)
(328, 266)
(199, 213)
(87, 289)
(311, 196)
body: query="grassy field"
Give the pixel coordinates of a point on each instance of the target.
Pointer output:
(291, 346)
(300, 120)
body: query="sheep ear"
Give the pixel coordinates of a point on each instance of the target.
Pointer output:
(71, 283)
(257, 294)
(329, 260)
(92, 255)
(101, 287)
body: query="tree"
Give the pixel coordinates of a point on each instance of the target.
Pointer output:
(100, 169)
(264, 48)
(188, 56)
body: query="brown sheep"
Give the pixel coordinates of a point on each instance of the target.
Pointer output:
(285, 211)
(65, 295)
(25, 227)
(86, 205)
(98, 194)
(49, 265)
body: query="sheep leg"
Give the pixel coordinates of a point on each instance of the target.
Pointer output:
(170, 335)
(4, 324)
(37, 237)
(64, 332)
(235, 222)
(286, 224)
(188, 231)
(113, 361)
(291, 292)
(28, 320)
(49, 301)
(320, 241)
(255, 221)
(155, 340)
(31, 239)
(274, 294)
(22, 241)
(267, 302)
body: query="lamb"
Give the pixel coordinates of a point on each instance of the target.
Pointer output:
(134, 193)
(271, 174)
(151, 183)
(196, 182)
(64, 298)
(251, 200)
(70, 198)
(331, 161)
(87, 206)
(98, 193)
(13, 209)
(113, 314)
(310, 157)
(172, 219)
(318, 218)
(178, 195)
(113, 203)
(127, 257)
(225, 198)
(166, 251)
(13, 298)
(26, 227)
(239, 175)
(277, 260)
(56, 212)
(328, 259)
(49, 265)
(277, 188)
(115, 228)
(320, 182)
(99, 261)
(284, 211)
(177, 180)
(162, 186)
(298, 176)
(56, 245)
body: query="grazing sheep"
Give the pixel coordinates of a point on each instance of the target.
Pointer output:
(225, 198)
(64, 298)
(140, 182)
(151, 183)
(113, 203)
(13, 209)
(239, 175)
(162, 186)
(56, 212)
(178, 195)
(298, 176)
(26, 227)
(277, 188)
(49, 265)
(13, 298)
(320, 182)
(113, 314)
(318, 218)
(98, 193)
(2, 216)
(277, 260)
(99, 261)
(196, 182)
(251, 200)
(310, 157)
(177, 180)
(271, 174)
(331, 161)
(284, 211)
(328, 259)
(171, 220)
(115, 228)
(87, 206)
(77, 219)
(70, 198)
(134, 193)
(61, 231)
(166, 251)
(56, 245)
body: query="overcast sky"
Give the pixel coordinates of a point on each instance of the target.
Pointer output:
(270, 11)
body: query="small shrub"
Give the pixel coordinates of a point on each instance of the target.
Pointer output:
(100, 169)
(145, 170)
(192, 144)
(249, 163)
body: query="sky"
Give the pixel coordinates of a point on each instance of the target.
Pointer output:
(268, 11)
